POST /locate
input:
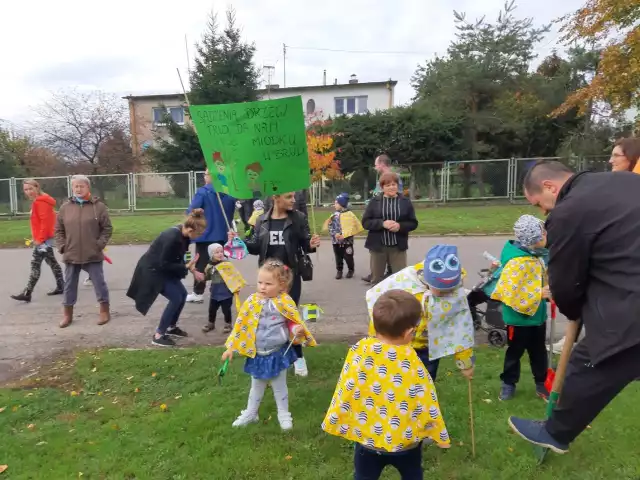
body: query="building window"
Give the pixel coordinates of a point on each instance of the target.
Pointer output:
(351, 105)
(311, 106)
(176, 113)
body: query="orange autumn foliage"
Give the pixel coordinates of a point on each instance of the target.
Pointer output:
(322, 154)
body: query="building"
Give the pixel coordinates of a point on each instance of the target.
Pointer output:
(146, 112)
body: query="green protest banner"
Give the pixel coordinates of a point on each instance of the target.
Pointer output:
(254, 149)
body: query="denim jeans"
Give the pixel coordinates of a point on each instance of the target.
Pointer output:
(370, 463)
(174, 291)
(430, 365)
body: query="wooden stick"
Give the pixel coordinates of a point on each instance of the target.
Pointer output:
(473, 435)
(186, 97)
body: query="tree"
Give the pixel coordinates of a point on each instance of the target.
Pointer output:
(617, 80)
(224, 72)
(77, 125)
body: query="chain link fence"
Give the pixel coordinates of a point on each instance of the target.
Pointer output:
(452, 181)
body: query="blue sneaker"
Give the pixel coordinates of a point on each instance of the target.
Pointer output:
(507, 392)
(535, 432)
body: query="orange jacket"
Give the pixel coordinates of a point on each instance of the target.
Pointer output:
(43, 218)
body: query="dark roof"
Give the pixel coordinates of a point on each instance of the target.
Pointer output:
(301, 88)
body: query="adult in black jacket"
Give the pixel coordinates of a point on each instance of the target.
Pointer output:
(593, 233)
(300, 202)
(388, 218)
(283, 233)
(160, 272)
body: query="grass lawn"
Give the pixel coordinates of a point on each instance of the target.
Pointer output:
(144, 227)
(160, 414)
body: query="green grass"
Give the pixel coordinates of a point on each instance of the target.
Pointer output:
(143, 227)
(115, 427)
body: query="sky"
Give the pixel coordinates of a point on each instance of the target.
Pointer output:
(134, 47)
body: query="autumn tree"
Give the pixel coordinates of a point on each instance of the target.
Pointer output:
(78, 126)
(616, 24)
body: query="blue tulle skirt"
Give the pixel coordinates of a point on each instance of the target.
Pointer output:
(270, 366)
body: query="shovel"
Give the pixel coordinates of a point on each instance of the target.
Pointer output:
(554, 394)
(223, 371)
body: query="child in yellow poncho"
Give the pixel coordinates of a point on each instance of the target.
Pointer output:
(267, 324)
(523, 294)
(385, 400)
(343, 225)
(446, 325)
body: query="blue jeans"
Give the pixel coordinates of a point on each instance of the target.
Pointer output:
(370, 463)
(430, 365)
(174, 291)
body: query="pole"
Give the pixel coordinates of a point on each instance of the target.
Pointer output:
(186, 98)
(186, 47)
(284, 64)
(473, 435)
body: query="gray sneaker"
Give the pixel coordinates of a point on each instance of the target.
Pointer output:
(507, 392)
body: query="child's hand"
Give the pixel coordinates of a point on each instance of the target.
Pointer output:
(231, 235)
(227, 355)
(468, 373)
(199, 276)
(340, 237)
(546, 293)
(298, 331)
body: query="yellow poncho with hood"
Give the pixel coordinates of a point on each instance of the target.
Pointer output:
(385, 399)
(242, 338)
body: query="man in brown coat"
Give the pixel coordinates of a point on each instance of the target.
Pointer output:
(83, 229)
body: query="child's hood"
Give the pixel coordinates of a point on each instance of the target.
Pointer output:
(511, 250)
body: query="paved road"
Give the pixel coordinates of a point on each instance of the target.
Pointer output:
(30, 332)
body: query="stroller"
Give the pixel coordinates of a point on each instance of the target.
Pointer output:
(488, 318)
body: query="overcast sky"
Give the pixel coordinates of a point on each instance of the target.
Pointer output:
(134, 46)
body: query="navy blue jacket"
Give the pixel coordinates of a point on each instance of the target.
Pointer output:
(205, 198)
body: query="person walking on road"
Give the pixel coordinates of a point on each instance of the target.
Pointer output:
(82, 232)
(593, 231)
(43, 221)
(215, 231)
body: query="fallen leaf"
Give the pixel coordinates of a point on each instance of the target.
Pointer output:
(30, 394)
(129, 378)
(163, 407)
(178, 397)
(31, 426)
(115, 427)
(99, 394)
(74, 393)
(510, 449)
(96, 411)
(588, 427)
(153, 374)
(40, 443)
(461, 444)
(3, 468)
(487, 400)
(15, 409)
(2, 409)
(137, 390)
(80, 474)
(115, 400)
(288, 457)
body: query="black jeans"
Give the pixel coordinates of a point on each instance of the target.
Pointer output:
(226, 309)
(370, 463)
(529, 339)
(295, 292)
(589, 388)
(430, 365)
(475, 298)
(343, 253)
(203, 259)
(174, 291)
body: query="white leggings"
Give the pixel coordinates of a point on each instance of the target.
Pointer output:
(280, 392)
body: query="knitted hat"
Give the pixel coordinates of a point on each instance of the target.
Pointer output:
(343, 200)
(212, 249)
(258, 205)
(528, 230)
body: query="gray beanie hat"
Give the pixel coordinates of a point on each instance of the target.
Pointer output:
(528, 230)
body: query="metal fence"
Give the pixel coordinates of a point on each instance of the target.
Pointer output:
(444, 182)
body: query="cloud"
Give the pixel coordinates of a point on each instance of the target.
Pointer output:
(91, 71)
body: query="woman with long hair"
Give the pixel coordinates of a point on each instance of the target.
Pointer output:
(282, 233)
(160, 272)
(43, 221)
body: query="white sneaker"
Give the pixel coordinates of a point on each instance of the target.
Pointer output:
(286, 421)
(87, 282)
(558, 346)
(195, 298)
(300, 367)
(245, 419)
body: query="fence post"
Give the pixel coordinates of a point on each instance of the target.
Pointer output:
(69, 192)
(192, 184)
(13, 196)
(129, 197)
(512, 179)
(445, 182)
(134, 194)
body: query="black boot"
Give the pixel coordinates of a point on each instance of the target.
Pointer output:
(23, 297)
(59, 290)
(350, 274)
(339, 275)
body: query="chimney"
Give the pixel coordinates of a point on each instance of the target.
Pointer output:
(353, 79)
(335, 81)
(324, 77)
